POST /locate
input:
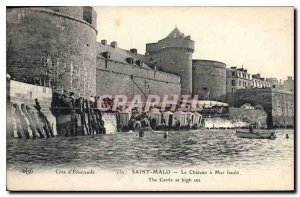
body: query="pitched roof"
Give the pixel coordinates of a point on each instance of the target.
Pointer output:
(118, 54)
(176, 33)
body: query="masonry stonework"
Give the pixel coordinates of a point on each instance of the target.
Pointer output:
(173, 54)
(209, 79)
(117, 78)
(279, 104)
(55, 44)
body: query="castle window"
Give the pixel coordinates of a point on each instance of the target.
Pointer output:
(130, 60)
(106, 55)
(240, 83)
(139, 62)
(233, 82)
(233, 73)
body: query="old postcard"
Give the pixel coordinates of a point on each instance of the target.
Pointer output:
(150, 98)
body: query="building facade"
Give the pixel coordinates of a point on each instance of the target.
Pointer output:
(259, 82)
(237, 78)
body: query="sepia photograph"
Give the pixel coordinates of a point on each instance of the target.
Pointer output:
(186, 98)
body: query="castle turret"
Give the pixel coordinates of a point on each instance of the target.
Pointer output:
(173, 54)
(209, 79)
(55, 45)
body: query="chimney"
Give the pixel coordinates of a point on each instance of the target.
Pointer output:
(134, 51)
(256, 76)
(114, 44)
(233, 67)
(104, 42)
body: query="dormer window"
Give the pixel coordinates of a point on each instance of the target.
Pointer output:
(130, 60)
(106, 55)
(139, 62)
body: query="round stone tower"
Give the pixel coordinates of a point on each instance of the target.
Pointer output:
(209, 79)
(173, 54)
(55, 45)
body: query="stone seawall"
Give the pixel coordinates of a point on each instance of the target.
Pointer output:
(23, 93)
(249, 115)
(278, 104)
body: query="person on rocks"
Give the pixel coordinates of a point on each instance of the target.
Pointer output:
(91, 99)
(37, 104)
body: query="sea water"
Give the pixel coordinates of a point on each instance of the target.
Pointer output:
(182, 149)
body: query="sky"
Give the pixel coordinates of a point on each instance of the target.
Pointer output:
(261, 39)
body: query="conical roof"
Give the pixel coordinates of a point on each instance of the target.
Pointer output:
(176, 33)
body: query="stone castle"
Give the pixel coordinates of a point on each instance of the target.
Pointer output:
(58, 45)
